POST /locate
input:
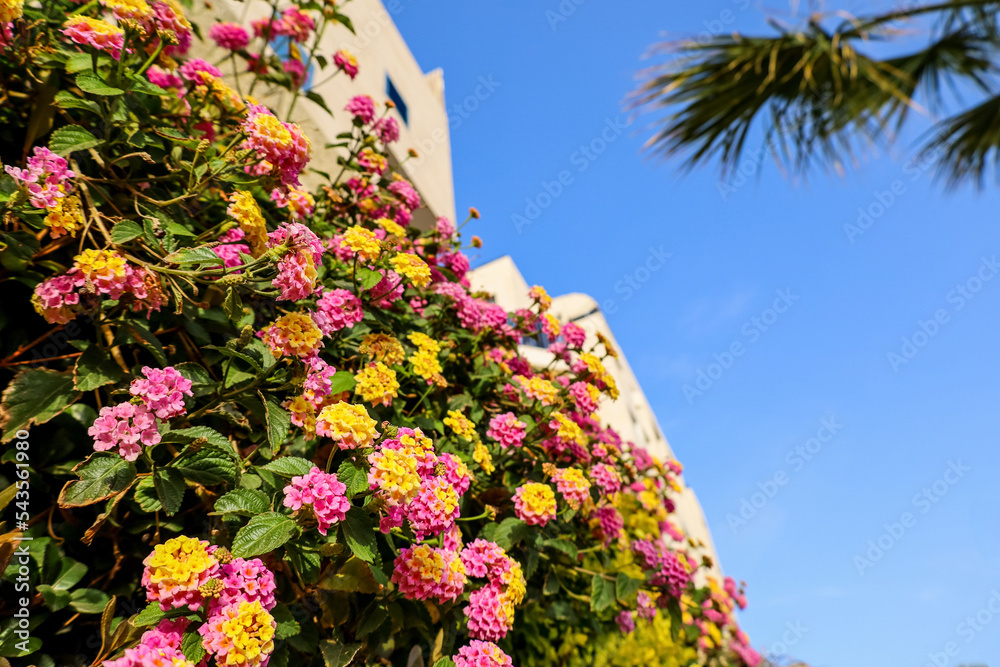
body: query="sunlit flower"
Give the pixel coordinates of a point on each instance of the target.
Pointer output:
(535, 504)
(377, 384)
(176, 569)
(95, 33)
(293, 334)
(347, 424)
(423, 572)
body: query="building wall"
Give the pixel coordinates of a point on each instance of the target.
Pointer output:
(381, 53)
(631, 415)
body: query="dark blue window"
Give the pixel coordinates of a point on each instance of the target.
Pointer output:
(397, 99)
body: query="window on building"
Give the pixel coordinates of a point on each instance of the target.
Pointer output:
(397, 99)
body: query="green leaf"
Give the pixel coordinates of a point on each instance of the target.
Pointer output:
(342, 381)
(70, 574)
(145, 337)
(289, 466)
(89, 600)
(511, 531)
(243, 501)
(151, 615)
(305, 561)
(353, 577)
(34, 397)
(72, 138)
(359, 534)
(233, 304)
(95, 368)
(67, 100)
(338, 655)
(263, 534)
(54, 599)
(354, 476)
(102, 476)
(170, 488)
(194, 256)
(191, 646)
(626, 587)
(287, 626)
(145, 495)
(207, 466)
(444, 662)
(186, 435)
(564, 546)
(368, 278)
(278, 422)
(125, 231)
(91, 83)
(78, 62)
(372, 622)
(602, 593)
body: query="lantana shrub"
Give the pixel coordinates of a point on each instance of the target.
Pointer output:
(248, 422)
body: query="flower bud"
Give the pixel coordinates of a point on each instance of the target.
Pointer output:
(211, 588)
(474, 212)
(230, 280)
(223, 555)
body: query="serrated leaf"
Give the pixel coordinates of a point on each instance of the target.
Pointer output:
(249, 502)
(368, 278)
(289, 466)
(72, 138)
(145, 495)
(564, 546)
(170, 488)
(375, 618)
(207, 466)
(305, 561)
(194, 256)
(233, 304)
(91, 83)
(34, 397)
(191, 646)
(602, 593)
(353, 476)
(186, 435)
(151, 615)
(278, 422)
(626, 587)
(95, 368)
(263, 534)
(287, 626)
(510, 531)
(125, 231)
(67, 100)
(102, 476)
(359, 534)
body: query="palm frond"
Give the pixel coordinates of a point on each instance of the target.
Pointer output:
(968, 144)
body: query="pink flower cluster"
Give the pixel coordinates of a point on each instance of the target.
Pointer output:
(387, 130)
(507, 429)
(626, 622)
(337, 309)
(400, 188)
(125, 426)
(323, 493)
(229, 250)
(146, 655)
(610, 523)
(99, 35)
(281, 145)
(434, 509)
(231, 36)
(191, 70)
(361, 107)
(244, 580)
(491, 608)
(583, 398)
(445, 227)
(574, 335)
(46, 177)
(294, 23)
(607, 478)
(168, 17)
(345, 62)
(297, 270)
(162, 390)
(666, 568)
(481, 654)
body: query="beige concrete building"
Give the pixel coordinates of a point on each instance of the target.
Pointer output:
(387, 70)
(631, 414)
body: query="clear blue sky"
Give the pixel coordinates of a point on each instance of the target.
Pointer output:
(896, 430)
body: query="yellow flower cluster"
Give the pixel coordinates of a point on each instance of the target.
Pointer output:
(270, 130)
(301, 203)
(129, 9)
(11, 10)
(542, 297)
(394, 473)
(66, 217)
(382, 347)
(293, 334)
(538, 388)
(373, 160)
(179, 563)
(348, 424)
(608, 347)
(569, 431)
(105, 265)
(481, 455)
(416, 443)
(596, 368)
(217, 88)
(412, 267)
(249, 630)
(377, 384)
(514, 588)
(391, 227)
(460, 424)
(554, 327)
(431, 564)
(425, 359)
(537, 499)
(363, 242)
(245, 210)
